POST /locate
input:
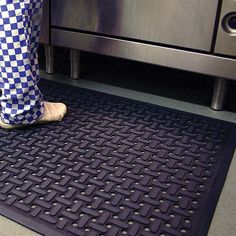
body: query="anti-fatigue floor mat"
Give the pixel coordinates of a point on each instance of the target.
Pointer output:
(114, 166)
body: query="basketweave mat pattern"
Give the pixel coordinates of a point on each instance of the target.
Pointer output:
(114, 166)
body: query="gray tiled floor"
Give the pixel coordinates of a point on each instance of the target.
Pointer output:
(225, 215)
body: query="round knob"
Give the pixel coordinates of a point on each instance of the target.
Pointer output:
(229, 23)
(232, 22)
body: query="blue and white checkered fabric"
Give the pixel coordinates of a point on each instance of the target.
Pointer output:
(21, 101)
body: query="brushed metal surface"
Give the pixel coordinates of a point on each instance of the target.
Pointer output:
(44, 34)
(219, 96)
(164, 56)
(184, 23)
(49, 56)
(74, 63)
(226, 43)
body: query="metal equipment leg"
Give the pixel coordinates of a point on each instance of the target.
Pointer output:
(75, 60)
(219, 94)
(49, 53)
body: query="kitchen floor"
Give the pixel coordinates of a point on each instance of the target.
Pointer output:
(166, 87)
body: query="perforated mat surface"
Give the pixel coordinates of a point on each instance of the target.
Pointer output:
(114, 166)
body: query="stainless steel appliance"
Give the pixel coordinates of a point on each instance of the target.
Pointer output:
(172, 22)
(226, 35)
(44, 36)
(194, 35)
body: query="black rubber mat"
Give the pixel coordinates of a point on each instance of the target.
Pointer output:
(114, 166)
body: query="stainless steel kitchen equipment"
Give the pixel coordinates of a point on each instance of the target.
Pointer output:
(45, 37)
(193, 35)
(226, 35)
(141, 20)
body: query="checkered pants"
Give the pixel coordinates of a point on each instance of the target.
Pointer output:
(21, 101)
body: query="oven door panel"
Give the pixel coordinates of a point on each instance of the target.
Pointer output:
(183, 23)
(226, 36)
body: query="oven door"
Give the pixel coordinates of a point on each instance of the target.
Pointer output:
(226, 35)
(182, 23)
